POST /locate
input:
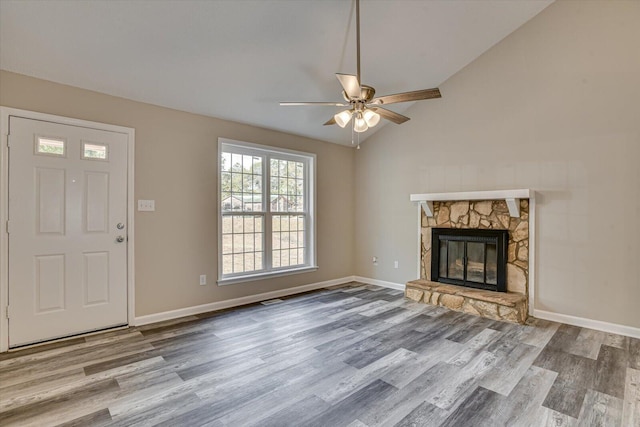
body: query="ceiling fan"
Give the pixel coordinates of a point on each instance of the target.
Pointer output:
(363, 108)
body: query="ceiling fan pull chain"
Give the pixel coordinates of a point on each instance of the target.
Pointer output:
(353, 124)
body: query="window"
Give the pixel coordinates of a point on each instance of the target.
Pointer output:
(266, 211)
(94, 151)
(50, 146)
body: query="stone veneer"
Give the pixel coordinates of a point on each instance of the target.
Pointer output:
(508, 306)
(485, 214)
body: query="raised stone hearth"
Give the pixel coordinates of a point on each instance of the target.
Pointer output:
(507, 306)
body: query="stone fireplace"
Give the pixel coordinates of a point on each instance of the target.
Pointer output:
(459, 242)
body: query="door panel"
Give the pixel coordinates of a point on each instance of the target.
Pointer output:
(50, 196)
(96, 202)
(49, 283)
(96, 278)
(67, 193)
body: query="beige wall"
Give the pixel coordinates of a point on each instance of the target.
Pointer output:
(176, 165)
(554, 107)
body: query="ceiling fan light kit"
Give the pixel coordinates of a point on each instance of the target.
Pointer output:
(365, 110)
(371, 117)
(359, 124)
(342, 118)
(363, 121)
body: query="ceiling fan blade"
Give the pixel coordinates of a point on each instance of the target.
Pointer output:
(415, 95)
(332, 104)
(391, 115)
(350, 84)
(331, 121)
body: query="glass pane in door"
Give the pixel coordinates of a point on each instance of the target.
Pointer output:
(492, 264)
(456, 260)
(475, 262)
(442, 268)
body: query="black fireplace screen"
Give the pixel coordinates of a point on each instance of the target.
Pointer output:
(470, 257)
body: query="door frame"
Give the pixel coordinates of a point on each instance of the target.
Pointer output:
(5, 114)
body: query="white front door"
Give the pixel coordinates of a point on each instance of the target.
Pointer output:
(67, 230)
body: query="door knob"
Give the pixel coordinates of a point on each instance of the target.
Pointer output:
(120, 239)
(120, 226)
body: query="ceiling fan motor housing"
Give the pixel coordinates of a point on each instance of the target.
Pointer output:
(366, 94)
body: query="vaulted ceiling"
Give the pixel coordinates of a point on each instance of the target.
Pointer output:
(237, 59)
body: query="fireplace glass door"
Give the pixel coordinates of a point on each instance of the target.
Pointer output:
(474, 258)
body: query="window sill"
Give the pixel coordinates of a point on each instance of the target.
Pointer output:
(262, 276)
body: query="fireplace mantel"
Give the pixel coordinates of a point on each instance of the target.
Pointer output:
(512, 197)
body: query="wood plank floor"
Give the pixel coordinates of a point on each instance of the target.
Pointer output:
(352, 355)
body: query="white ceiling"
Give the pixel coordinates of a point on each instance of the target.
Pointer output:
(237, 59)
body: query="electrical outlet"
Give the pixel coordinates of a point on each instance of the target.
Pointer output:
(375, 260)
(146, 205)
(203, 279)
(395, 264)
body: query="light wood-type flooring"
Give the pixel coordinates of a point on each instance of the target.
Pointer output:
(352, 355)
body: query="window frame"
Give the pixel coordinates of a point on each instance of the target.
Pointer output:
(267, 152)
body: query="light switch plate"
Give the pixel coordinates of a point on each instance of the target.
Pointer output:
(147, 205)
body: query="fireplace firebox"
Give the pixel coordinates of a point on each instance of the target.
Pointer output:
(470, 257)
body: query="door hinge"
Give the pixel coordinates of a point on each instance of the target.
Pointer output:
(9, 140)
(7, 312)
(8, 227)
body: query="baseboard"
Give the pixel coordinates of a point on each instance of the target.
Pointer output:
(368, 281)
(220, 305)
(588, 323)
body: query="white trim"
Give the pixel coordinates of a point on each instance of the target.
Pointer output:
(4, 241)
(263, 147)
(419, 256)
(369, 281)
(235, 302)
(427, 206)
(599, 325)
(5, 113)
(512, 197)
(513, 205)
(471, 195)
(267, 275)
(532, 252)
(131, 211)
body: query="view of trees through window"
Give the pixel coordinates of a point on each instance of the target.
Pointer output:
(247, 207)
(50, 146)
